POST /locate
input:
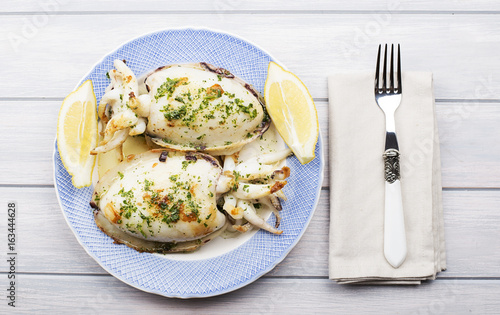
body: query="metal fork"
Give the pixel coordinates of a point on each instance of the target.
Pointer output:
(388, 99)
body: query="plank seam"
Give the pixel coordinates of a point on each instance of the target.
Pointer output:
(253, 12)
(439, 278)
(316, 99)
(27, 186)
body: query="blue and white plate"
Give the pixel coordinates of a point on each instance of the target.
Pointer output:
(219, 271)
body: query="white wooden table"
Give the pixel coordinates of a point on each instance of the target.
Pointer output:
(47, 46)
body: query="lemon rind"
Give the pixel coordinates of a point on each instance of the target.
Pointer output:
(77, 181)
(303, 159)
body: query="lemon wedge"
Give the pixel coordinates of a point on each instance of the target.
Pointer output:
(292, 111)
(77, 133)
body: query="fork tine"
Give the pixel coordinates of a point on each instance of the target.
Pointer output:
(400, 82)
(377, 70)
(391, 72)
(384, 73)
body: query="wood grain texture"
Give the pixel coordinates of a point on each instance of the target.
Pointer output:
(105, 294)
(47, 46)
(228, 6)
(459, 49)
(47, 244)
(470, 151)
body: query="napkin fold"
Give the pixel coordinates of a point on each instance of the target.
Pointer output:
(357, 139)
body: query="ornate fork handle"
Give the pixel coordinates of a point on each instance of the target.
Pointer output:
(391, 161)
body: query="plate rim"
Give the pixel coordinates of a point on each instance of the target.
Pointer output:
(256, 276)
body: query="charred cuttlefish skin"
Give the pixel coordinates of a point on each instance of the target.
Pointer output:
(185, 107)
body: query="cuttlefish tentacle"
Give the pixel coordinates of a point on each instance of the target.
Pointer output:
(122, 104)
(251, 216)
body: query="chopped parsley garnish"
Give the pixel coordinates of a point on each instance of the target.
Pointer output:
(230, 95)
(139, 227)
(172, 114)
(148, 184)
(173, 216)
(188, 94)
(128, 205)
(186, 163)
(253, 114)
(168, 87)
(126, 194)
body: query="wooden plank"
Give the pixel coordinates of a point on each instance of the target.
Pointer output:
(468, 158)
(47, 245)
(62, 48)
(27, 150)
(44, 241)
(127, 6)
(101, 295)
(470, 151)
(457, 40)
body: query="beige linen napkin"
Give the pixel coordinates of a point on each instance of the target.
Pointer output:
(357, 138)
